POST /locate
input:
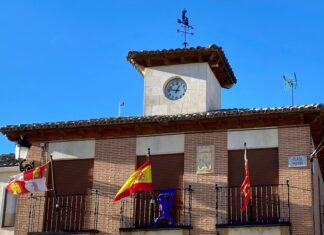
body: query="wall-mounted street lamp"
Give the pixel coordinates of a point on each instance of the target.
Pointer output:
(21, 153)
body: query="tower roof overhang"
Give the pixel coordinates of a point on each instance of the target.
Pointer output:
(213, 55)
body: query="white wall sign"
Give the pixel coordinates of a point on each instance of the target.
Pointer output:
(297, 161)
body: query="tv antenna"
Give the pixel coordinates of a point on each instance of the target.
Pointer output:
(120, 106)
(291, 83)
(184, 22)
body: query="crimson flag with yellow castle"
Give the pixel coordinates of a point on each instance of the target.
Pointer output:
(140, 180)
(30, 181)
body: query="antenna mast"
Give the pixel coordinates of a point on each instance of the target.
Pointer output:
(291, 83)
(120, 106)
(184, 22)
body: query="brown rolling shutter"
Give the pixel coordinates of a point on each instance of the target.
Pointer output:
(72, 176)
(264, 173)
(263, 165)
(167, 170)
(167, 173)
(73, 179)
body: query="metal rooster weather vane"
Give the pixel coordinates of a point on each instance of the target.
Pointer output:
(184, 22)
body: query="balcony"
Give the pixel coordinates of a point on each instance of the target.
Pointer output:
(142, 211)
(269, 206)
(63, 215)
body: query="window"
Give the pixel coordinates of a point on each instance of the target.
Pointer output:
(264, 205)
(9, 210)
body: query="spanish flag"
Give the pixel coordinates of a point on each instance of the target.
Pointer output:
(140, 180)
(28, 182)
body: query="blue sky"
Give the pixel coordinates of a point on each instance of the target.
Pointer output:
(66, 60)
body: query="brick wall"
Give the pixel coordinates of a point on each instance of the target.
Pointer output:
(203, 211)
(115, 160)
(22, 212)
(296, 141)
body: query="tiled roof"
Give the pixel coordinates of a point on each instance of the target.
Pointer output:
(164, 118)
(8, 160)
(213, 54)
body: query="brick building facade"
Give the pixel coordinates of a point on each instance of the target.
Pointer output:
(199, 154)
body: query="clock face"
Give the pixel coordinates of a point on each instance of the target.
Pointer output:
(175, 89)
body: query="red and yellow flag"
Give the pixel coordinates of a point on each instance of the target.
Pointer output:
(245, 187)
(28, 182)
(140, 180)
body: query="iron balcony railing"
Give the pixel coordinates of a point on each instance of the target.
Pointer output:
(269, 205)
(65, 213)
(143, 211)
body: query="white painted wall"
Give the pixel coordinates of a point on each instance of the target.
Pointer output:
(5, 174)
(254, 138)
(165, 144)
(200, 84)
(213, 91)
(72, 149)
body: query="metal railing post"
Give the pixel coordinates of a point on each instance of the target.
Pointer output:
(216, 205)
(190, 203)
(96, 210)
(30, 212)
(121, 221)
(289, 206)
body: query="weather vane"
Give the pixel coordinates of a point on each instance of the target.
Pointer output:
(184, 22)
(291, 83)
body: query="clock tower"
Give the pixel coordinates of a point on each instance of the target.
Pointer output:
(183, 81)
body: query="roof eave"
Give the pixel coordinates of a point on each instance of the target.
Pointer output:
(213, 55)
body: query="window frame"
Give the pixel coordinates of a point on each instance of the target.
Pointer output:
(4, 207)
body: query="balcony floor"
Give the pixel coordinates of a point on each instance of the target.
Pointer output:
(251, 224)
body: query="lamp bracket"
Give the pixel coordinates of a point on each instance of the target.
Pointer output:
(27, 166)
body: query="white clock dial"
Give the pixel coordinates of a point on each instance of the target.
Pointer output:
(175, 89)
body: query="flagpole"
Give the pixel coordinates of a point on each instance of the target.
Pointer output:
(245, 158)
(57, 206)
(53, 181)
(245, 188)
(148, 154)
(152, 201)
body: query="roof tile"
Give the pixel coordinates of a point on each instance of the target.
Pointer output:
(8, 160)
(158, 118)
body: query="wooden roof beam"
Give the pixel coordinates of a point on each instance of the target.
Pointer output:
(200, 58)
(213, 57)
(216, 63)
(166, 60)
(148, 61)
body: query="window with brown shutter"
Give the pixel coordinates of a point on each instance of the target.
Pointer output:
(73, 179)
(167, 173)
(264, 178)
